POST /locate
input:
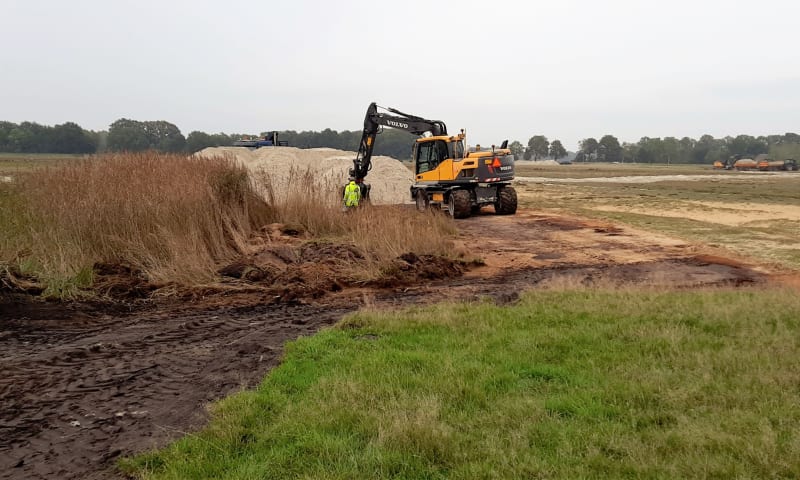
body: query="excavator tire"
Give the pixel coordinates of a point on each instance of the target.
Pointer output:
(506, 201)
(459, 204)
(421, 199)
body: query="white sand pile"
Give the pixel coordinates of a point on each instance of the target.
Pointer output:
(328, 167)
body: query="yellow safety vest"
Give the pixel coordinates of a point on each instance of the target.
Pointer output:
(352, 194)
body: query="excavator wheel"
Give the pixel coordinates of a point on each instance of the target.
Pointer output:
(459, 204)
(506, 201)
(421, 199)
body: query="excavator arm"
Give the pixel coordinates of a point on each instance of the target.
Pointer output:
(374, 121)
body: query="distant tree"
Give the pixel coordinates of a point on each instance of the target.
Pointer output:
(31, 137)
(557, 150)
(517, 149)
(588, 146)
(747, 145)
(671, 152)
(686, 148)
(610, 148)
(785, 151)
(718, 152)
(197, 141)
(538, 146)
(5, 130)
(164, 136)
(135, 136)
(20, 140)
(128, 135)
(71, 138)
(629, 152)
(701, 149)
(222, 139)
(791, 138)
(37, 138)
(393, 143)
(648, 150)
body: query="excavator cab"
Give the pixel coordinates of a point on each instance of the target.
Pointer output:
(437, 158)
(429, 154)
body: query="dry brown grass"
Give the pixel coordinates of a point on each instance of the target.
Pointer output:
(172, 217)
(384, 231)
(177, 219)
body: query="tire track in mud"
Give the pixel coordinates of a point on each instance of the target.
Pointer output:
(77, 394)
(532, 250)
(682, 273)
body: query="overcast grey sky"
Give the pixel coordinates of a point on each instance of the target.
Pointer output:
(566, 69)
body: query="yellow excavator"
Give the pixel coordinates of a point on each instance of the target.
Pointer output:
(448, 174)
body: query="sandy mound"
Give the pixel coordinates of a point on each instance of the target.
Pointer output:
(389, 178)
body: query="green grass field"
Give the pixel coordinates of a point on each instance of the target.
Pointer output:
(589, 170)
(11, 163)
(584, 384)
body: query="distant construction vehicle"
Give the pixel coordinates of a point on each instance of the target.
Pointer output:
(761, 162)
(270, 139)
(725, 164)
(767, 165)
(745, 164)
(447, 174)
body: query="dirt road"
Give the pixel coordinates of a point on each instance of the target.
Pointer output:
(82, 384)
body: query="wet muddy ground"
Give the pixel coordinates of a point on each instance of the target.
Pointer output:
(82, 384)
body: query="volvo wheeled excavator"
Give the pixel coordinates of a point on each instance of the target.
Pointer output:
(447, 174)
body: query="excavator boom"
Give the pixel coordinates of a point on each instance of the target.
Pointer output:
(375, 120)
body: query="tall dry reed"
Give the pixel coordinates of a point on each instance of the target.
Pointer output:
(177, 218)
(173, 217)
(384, 232)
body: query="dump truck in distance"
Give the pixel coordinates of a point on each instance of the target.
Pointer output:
(268, 140)
(777, 165)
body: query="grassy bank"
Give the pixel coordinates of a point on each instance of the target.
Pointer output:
(564, 385)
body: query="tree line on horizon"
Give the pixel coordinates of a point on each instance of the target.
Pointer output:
(663, 150)
(133, 135)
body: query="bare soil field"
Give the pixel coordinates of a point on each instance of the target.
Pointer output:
(85, 383)
(753, 215)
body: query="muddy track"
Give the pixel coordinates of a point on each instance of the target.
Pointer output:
(505, 288)
(76, 393)
(82, 384)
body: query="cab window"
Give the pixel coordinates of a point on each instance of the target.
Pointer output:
(424, 156)
(430, 155)
(456, 150)
(441, 148)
